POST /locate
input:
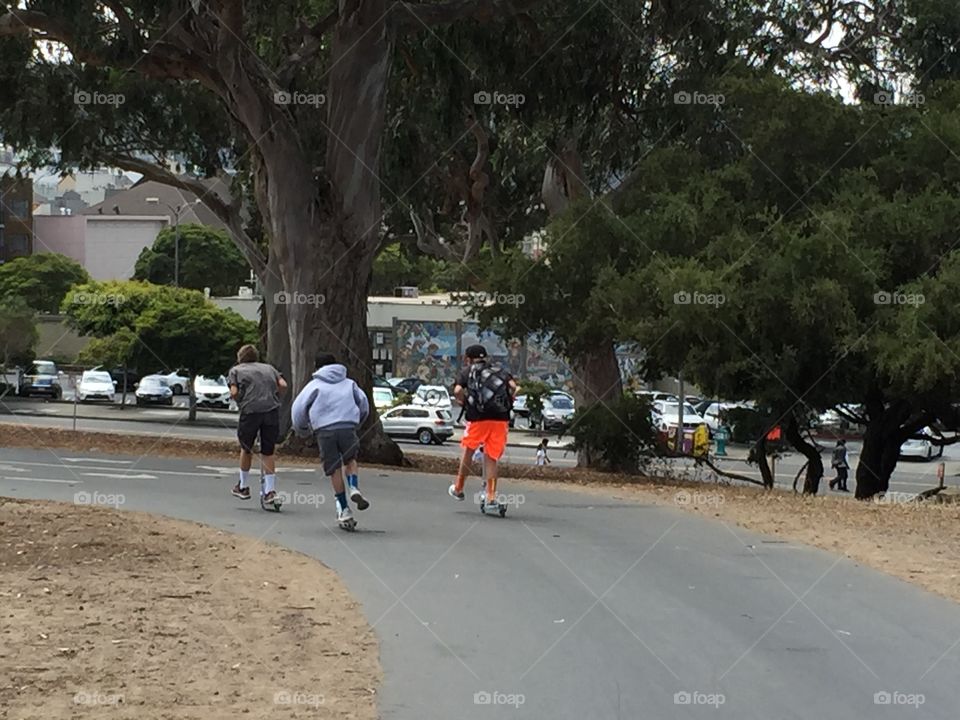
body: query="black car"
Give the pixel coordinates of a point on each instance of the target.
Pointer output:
(42, 378)
(131, 376)
(409, 385)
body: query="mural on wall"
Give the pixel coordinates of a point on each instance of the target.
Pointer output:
(427, 350)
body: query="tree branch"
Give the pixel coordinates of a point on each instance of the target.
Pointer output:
(413, 16)
(310, 45)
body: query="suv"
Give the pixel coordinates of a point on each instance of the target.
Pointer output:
(426, 424)
(42, 379)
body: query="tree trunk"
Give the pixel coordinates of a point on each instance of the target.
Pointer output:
(596, 379)
(123, 393)
(814, 472)
(760, 452)
(275, 336)
(878, 456)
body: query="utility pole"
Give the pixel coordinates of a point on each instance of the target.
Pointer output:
(680, 435)
(176, 248)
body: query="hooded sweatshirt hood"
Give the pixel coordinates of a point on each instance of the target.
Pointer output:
(330, 400)
(331, 374)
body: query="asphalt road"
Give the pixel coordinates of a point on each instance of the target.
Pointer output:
(573, 606)
(911, 476)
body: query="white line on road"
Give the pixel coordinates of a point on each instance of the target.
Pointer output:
(123, 476)
(189, 473)
(10, 468)
(43, 480)
(97, 460)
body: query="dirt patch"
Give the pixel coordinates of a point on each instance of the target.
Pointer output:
(125, 615)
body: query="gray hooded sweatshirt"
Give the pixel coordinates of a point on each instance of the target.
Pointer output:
(330, 400)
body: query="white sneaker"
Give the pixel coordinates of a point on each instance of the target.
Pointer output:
(344, 515)
(452, 492)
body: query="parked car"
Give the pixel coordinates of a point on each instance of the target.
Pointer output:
(121, 376)
(42, 378)
(96, 385)
(383, 398)
(154, 389)
(666, 416)
(426, 424)
(212, 392)
(558, 409)
(653, 396)
(407, 385)
(520, 402)
(432, 395)
(178, 380)
(921, 447)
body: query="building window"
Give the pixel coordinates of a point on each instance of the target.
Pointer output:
(17, 245)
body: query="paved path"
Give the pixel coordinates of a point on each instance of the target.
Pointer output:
(573, 606)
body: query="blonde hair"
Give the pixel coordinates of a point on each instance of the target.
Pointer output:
(247, 354)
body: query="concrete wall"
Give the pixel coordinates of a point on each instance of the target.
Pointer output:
(380, 311)
(64, 234)
(57, 340)
(113, 243)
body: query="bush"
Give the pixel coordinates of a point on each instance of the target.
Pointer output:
(617, 436)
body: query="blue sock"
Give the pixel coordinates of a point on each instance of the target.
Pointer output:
(342, 500)
(352, 481)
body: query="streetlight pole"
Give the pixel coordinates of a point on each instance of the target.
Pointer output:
(176, 248)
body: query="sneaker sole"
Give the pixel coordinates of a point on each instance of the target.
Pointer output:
(242, 497)
(361, 501)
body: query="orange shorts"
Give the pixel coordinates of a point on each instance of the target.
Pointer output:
(492, 434)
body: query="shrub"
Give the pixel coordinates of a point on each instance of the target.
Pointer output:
(618, 436)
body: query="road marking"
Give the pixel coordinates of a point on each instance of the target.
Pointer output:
(189, 473)
(121, 477)
(105, 462)
(43, 480)
(10, 468)
(233, 470)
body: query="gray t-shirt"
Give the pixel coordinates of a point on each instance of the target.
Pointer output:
(257, 389)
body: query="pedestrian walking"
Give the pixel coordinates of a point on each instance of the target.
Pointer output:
(542, 458)
(839, 464)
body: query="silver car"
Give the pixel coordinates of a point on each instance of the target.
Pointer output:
(424, 423)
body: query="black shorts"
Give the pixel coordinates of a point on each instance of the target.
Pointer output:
(337, 447)
(264, 424)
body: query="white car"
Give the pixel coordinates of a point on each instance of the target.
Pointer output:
(96, 385)
(383, 398)
(178, 381)
(212, 391)
(426, 424)
(154, 389)
(433, 396)
(666, 416)
(921, 448)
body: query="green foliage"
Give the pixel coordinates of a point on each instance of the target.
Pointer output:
(618, 436)
(535, 391)
(18, 333)
(208, 258)
(41, 281)
(396, 266)
(145, 325)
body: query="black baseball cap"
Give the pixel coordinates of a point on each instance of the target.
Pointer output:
(476, 352)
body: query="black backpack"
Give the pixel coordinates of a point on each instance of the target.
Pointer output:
(488, 390)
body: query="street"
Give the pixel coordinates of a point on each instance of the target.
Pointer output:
(575, 606)
(911, 476)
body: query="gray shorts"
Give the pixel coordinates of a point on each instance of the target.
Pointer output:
(337, 447)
